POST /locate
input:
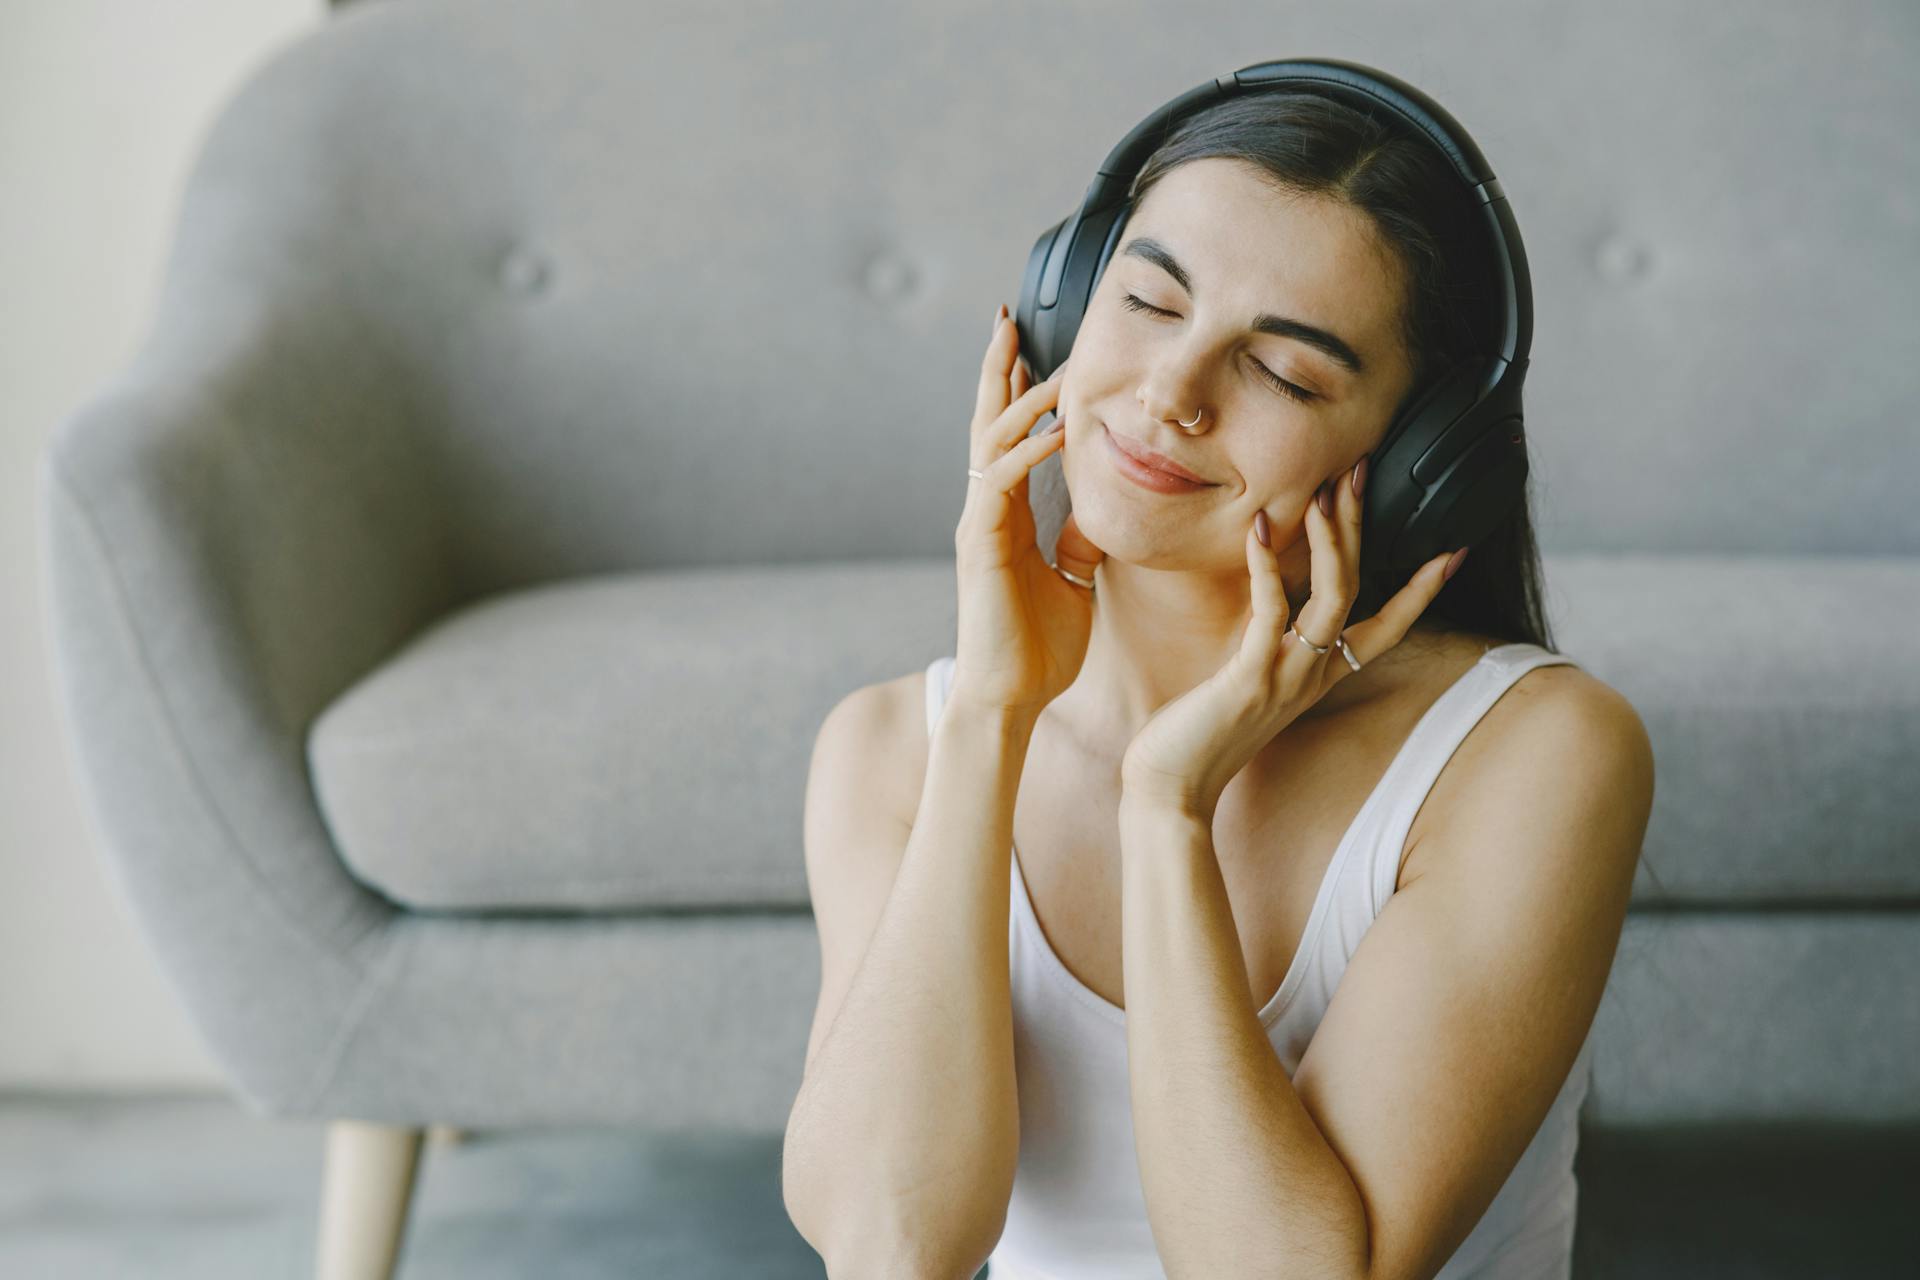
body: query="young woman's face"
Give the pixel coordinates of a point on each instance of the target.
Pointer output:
(1277, 287)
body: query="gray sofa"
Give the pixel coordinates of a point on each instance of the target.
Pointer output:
(552, 410)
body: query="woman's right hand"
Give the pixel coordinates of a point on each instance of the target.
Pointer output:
(1023, 628)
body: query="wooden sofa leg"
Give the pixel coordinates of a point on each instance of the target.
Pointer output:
(365, 1190)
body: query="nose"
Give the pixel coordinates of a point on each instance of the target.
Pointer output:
(1162, 410)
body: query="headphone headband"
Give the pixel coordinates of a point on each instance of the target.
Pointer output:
(1440, 478)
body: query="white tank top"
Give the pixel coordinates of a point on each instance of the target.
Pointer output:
(1077, 1210)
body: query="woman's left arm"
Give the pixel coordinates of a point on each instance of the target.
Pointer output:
(1238, 1178)
(1448, 1037)
(1462, 1010)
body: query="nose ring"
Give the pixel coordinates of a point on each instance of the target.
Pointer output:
(1196, 417)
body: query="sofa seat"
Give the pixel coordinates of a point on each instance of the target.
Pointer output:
(613, 743)
(627, 742)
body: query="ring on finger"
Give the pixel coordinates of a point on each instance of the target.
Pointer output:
(1346, 652)
(1074, 578)
(1317, 648)
(977, 475)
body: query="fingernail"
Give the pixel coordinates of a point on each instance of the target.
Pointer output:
(1360, 477)
(999, 316)
(1326, 498)
(1260, 528)
(1453, 565)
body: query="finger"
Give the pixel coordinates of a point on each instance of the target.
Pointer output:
(1348, 508)
(990, 399)
(1073, 551)
(1332, 588)
(1267, 627)
(1018, 418)
(1388, 627)
(1011, 467)
(1346, 531)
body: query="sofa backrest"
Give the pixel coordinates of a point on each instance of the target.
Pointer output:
(681, 283)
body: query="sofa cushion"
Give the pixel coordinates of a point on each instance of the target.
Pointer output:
(1783, 701)
(614, 743)
(636, 741)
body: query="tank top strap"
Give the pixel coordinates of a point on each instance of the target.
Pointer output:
(939, 684)
(939, 681)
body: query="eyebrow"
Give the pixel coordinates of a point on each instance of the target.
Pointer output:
(1332, 344)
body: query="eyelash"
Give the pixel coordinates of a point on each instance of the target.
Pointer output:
(1273, 379)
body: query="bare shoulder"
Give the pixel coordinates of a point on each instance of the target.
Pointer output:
(1554, 692)
(879, 733)
(906, 739)
(1562, 699)
(861, 798)
(1557, 735)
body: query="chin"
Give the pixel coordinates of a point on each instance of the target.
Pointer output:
(1127, 539)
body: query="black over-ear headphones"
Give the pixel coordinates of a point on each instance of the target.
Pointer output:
(1454, 463)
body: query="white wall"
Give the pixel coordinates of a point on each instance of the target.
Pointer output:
(102, 104)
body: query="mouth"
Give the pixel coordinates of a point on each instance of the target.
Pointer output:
(1146, 472)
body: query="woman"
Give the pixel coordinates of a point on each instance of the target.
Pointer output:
(1302, 958)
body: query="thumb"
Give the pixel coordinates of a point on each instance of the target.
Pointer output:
(1073, 552)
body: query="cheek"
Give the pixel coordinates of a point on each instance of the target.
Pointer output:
(1288, 469)
(1287, 490)
(1100, 348)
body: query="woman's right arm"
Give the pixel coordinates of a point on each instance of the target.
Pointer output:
(901, 1146)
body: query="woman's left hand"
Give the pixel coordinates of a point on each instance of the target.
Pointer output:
(1186, 754)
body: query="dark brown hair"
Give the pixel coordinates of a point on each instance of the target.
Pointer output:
(1304, 143)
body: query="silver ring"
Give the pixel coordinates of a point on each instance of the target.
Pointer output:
(1317, 648)
(1074, 578)
(1196, 417)
(1347, 653)
(977, 475)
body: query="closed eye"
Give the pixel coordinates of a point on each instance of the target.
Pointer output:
(1273, 379)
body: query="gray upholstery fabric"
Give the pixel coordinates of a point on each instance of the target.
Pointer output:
(552, 409)
(578, 746)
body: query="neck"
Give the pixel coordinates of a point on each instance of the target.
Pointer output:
(1158, 633)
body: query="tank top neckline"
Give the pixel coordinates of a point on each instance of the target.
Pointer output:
(1297, 970)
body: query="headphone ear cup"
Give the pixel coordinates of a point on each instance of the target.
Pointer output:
(1445, 474)
(1480, 487)
(1027, 315)
(1062, 270)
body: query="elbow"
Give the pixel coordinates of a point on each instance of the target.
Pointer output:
(860, 1254)
(894, 1259)
(858, 1245)
(861, 1232)
(800, 1193)
(855, 1244)
(855, 1248)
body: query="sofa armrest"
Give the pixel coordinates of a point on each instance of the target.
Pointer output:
(234, 531)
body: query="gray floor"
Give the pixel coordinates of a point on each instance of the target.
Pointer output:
(92, 1189)
(95, 1188)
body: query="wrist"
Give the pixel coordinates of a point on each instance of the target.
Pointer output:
(1013, 724)
(1154, 831)
(1145, 806)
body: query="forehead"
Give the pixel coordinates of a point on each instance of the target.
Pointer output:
(1250, 247)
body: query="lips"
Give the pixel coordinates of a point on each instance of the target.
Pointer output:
(1145, 476)
(1148, 458)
